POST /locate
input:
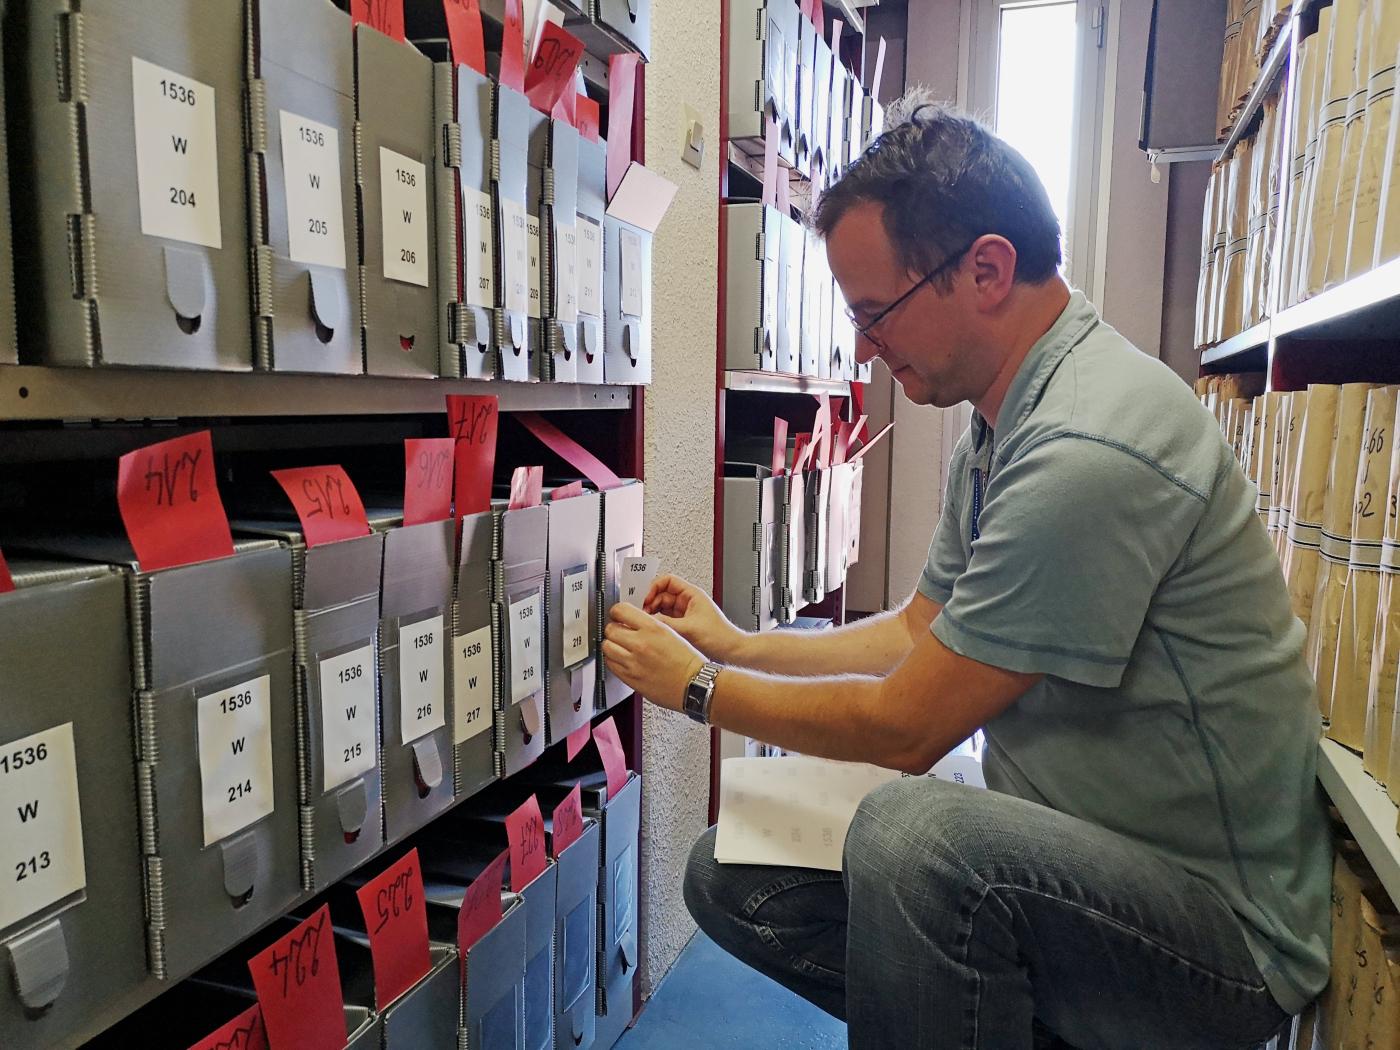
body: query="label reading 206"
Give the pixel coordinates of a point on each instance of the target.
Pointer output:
(235, 757)
(403, 187)
(526, 666)
(422, 699)
(347, 716)
(40, 823)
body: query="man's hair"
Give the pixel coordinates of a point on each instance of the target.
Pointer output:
(944, 179)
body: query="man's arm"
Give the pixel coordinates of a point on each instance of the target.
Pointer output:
(872, 646)
(908, 720)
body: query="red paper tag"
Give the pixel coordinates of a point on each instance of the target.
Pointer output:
(472, 423)
(384, 15)
(857, 428)
(170, 505)
(569, 491)
(575, 741)
(819, 17)
(822, 430)
(836, 26)
(801, 446)
(872, 442)
(587, 118)
(551, 74)
(876, 80)
(7, 582)
(513, 48)
(770, 162)
(326, 503)
(244, 1032)
(568, 821)
(570, 451)
(610, 750)
(464, 33)
(481, 907)
(525, 829)
(427, 481)
(526, 487)
(298, 985)
(396, 920)
(622, 93)
(784, 193)
(843, 439)
(780, 429)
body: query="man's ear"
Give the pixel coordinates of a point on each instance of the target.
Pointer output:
(993, 262)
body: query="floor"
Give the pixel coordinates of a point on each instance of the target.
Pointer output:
(711, 1001)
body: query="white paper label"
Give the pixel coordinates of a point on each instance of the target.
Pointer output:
(347, 716)
(177, 157)
(471, 709)
(41, 823)
(421, 700)
(574, 620)
(478, 249)
(525, 665)
(631, 272)
(634, 578)
(403, 187)
(515, 261)
(532, 242)
(235, 757)
(590, 268)
(566, 272)
(315, 209)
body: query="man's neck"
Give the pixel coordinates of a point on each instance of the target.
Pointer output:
(1035, 313)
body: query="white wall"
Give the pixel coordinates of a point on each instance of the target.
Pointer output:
(680, 442)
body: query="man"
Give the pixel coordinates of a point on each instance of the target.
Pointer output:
(1151, 866)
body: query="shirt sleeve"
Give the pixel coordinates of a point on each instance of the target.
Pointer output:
(1074, 539)
(947, 554)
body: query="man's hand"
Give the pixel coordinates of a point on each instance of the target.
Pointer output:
(694, 616)
(649, 656)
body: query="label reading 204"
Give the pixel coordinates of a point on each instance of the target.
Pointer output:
(40, 823)
(177, 160)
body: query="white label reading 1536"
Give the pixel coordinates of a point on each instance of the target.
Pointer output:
(347, 716)
(478, 251)
(311, 174)
(177, 158)
(574, 621)
(403, 187)
(235, 757)
(40, 823)
(471, 684)
(421, 692)
(526, 667)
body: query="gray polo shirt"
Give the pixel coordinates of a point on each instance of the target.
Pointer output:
(1105, 537)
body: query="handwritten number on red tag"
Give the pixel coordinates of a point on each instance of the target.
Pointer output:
(244, 1032)
(298, 985)
(568, 821)
(427, 490)
(610, 750)
(525, 828)
(481, 907)
(397, 922)
(472, 424)
(326, 503)
(170, 505)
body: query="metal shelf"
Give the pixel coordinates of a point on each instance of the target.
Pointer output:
(1263, 87)
(850, 14)
(1366, 808)
(778, 383)
(1250, 341)
(1365, 307)
(31, 392)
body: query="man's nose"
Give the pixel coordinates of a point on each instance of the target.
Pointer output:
(866, 349)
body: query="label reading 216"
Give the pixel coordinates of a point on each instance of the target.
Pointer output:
(422, 702)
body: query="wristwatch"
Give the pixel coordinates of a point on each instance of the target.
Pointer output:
(700, 693)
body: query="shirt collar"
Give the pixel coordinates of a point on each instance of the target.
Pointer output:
(1073, 324)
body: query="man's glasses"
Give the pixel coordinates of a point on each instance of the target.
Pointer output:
(867, 330)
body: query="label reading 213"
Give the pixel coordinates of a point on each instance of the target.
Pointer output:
(40, 823)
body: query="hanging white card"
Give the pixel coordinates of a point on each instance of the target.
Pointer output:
(41, 823)
(526, 675)
(235, 757)
(478, 251)
(574, 618)
(634, 578)
(311, 174)
(515, 261)
(403, 190)
(566, 272)
(532, 244)
(471, 709)
(347, 716)
(177, 157)
(590, 267)
(421, 701)
(632, 277)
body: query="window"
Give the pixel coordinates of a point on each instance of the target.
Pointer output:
(1035, 72)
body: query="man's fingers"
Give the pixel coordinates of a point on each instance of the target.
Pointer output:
(629, 615)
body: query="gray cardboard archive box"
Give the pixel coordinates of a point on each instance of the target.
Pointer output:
(475, 658)
(72, 940)
(559, 253)
(414, 655)
(759, 35)
(575, 938)
(426, 1017)
(818, 502)
(753, 240)
(395, 151)
(216, 762)
(621, 537)
(807, 36)
(821, 111)
(492, 1012)
(793, 567)
(301, 174)
(131, 206)
(613, 26)
(570, 610)
(335, 619)
(816, 307)
(592, 206)
(838, 154)
(466, 214)
(9, 352)
(518, 599)
(626, 302)
(790, 251)
(537, 145)
(753, 510)
(510, 186)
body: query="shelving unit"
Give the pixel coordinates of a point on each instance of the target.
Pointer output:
(1245, 352)
(1274, 64)
(1366, 808)
(776, 383)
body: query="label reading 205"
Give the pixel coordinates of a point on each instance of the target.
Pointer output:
(40, 823)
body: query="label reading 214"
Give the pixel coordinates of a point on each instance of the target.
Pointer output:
(235, 757)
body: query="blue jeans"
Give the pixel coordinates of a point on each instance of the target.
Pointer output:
(972, 920)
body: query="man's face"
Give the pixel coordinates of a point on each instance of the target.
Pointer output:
(925, 338)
